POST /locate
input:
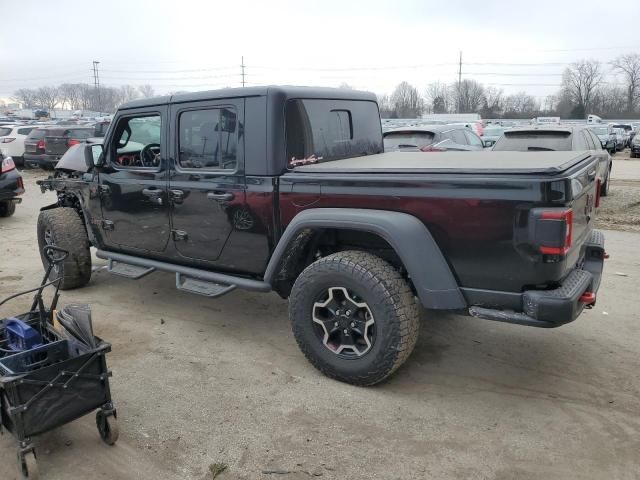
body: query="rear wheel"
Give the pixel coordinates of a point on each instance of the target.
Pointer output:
(63, 228)
(7, 208)
(354, 317)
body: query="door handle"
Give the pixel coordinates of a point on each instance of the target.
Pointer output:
(220, 197)
(177, 196)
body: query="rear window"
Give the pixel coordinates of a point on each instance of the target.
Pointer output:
(600, 130)
(25, 131)
(324, 130)
(37, 134)
(80, 133)
(533, 141)
(400, 140)
(4, 131)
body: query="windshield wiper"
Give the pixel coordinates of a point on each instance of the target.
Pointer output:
(540, 149)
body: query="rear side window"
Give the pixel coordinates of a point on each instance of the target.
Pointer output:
(473, 139)
(401, 140)
(325, 130)
(459, 137)
(24, 131)
(4, 131)
(208, 139)
(534, 141)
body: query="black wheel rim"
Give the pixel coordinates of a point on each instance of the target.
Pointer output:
(50, 240)
(344, 323)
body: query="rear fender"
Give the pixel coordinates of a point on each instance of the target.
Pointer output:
(432, 278)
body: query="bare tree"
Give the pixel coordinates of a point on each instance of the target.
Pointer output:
(128, 93)
(26, 96)
(406, 101)
(438, 96)
(48, 97)
(492, 102)
(629, 66)
(70, 93)
(386, 109)
(609, 100)
(468, 95)
(520, 104)
(86, 96)
(146, 91)
(580, 82)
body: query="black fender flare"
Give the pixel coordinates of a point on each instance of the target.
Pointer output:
(85, 215)
(432, 278)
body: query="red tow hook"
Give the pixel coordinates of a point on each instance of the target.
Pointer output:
(606, 255)
(588, 298)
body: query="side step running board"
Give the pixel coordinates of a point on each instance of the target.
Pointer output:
(127, 270)
(189, 279)
(202, 287)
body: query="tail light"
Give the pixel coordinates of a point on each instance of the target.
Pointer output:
(598, 186)
(40, 145)
(553, 230)
(7, 140)
(432, 148)
(72, 141)
(20, 185)
(7, 165)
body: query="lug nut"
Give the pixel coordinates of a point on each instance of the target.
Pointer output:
(335, 324)
(346, 331)
(348, 312)
(353, 324)
(338, 312)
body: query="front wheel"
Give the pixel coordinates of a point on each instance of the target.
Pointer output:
(64, 228)
(354, 317)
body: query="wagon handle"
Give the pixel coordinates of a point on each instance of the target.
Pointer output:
(49, 250)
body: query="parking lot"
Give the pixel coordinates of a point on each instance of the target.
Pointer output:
(199, 382)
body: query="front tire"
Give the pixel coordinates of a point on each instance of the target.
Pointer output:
(64, 228)
(354, 317)
(7, 208)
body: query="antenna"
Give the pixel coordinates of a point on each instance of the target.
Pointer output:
(242, 68)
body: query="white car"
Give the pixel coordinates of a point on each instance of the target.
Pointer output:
(12, 141)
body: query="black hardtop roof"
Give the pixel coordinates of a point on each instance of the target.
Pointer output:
(284, 91)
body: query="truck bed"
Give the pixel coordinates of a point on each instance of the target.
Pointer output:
(545, 163)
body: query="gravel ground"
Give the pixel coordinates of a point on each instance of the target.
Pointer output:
(200, 381)
(620, 210)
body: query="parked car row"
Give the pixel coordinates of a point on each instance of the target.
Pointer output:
(42, 145)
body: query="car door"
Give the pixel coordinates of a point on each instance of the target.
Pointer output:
(604, 159)
(133, 182)
(206, 181)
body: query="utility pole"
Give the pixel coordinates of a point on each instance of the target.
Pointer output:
(242, 68)
(460, 83)
(96, 83)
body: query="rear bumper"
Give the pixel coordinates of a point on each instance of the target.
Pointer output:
(552, 308)
(11, 186)
(635, 147)
(42, 160)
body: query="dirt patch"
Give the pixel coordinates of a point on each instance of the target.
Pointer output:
(620, 210)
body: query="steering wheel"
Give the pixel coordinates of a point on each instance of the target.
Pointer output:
(150, 155)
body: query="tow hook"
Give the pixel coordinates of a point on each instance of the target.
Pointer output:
(588, 298)
(606, 255)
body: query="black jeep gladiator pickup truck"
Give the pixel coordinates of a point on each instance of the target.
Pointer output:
(287, 189)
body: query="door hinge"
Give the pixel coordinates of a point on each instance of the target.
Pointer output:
(179, 235)
(107, 225)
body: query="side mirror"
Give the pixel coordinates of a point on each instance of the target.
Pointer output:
(93, 155)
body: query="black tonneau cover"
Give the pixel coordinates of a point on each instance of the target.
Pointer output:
(549, 163)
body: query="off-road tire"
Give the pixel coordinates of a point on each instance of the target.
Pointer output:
(68, 232)
(389, 298)
(7, 208)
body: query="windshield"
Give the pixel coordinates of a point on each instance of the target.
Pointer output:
(533, 141)
(493, 131)
(600, 130)
(400, 140)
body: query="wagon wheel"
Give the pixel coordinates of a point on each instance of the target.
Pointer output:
(28, 466)
(107, 427)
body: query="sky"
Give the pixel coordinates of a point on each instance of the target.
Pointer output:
(371, 45)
